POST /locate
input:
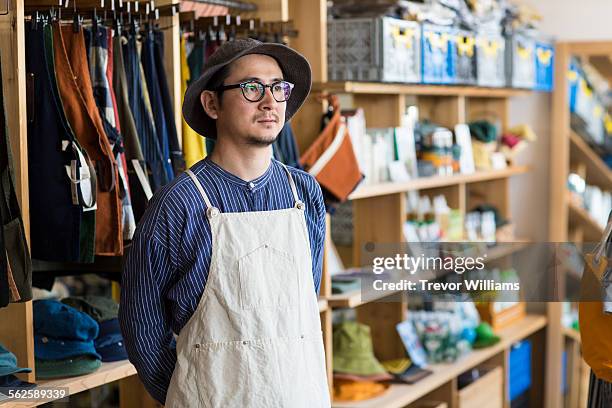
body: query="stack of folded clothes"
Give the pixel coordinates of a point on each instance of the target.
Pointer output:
(63, 341)
(109, 343)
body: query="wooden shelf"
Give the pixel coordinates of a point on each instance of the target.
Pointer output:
(353, 299)
(571, 334)
(107, 373)
(322, 305)
(403, 89)
(400, 395)
(422, 183)
(579, 215)
(598, 171)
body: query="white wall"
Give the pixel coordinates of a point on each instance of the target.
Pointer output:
(565, 20)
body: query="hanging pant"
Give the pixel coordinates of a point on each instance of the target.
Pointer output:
(155, 97)
(80, 107)
(146, 129)
(176, 154)
(139, 184)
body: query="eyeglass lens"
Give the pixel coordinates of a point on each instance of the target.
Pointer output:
(254, 91)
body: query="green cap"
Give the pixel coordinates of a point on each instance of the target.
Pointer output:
(485, 336)
(100, 308)
(353, 351)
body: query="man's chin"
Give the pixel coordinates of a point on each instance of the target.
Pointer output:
(261, 140)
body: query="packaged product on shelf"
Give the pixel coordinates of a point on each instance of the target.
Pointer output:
(466, 57)
(520, 61)
(490, 60)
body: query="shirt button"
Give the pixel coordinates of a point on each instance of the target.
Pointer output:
(251, 185)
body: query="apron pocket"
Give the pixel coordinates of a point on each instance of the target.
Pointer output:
(238, 374)
(268, 277)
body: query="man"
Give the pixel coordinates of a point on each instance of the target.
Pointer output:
(228, 256)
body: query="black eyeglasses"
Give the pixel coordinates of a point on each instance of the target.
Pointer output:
(254, 91)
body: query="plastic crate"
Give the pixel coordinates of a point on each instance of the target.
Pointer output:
(465, 58)
(519, 376)
(380, 49)
(490, 61)
(438, 55)
(544, 66)
(520, 65)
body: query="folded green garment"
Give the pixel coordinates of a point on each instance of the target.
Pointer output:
(345, 285)
(70, 367)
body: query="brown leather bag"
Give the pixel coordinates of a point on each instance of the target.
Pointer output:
(331, 158)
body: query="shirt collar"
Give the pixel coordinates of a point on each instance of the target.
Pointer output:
(252, 185)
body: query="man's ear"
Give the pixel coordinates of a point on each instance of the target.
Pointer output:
(210, 103)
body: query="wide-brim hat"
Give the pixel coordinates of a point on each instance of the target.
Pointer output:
(295, 67)
(353, 352)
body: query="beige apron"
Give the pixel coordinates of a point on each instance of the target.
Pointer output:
(255, 339)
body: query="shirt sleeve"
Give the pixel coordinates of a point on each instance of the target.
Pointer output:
(318, 238)
(148, 338)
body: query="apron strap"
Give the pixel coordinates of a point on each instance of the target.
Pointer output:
(211, 210)
(298, 203)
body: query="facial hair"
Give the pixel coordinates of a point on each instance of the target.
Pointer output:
(259, 141)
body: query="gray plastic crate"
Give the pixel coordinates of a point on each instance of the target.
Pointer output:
(380, 49)
(520, 61)
(491, 60)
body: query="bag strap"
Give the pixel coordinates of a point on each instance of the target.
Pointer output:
(601, 246)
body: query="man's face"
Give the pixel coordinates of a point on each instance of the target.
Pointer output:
(255, 123)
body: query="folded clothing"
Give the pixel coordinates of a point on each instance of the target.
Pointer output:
(346, 390)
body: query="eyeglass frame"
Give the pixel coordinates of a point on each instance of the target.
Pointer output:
(241, 85)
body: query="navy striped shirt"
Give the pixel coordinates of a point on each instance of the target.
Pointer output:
(167, 265)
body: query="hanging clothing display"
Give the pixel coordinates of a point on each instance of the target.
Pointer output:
(194, 146)
(15, 264)
(83, 115)
(101, 50)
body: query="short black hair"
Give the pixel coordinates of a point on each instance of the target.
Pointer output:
(217, 81)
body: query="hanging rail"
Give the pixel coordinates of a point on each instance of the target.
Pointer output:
(232, 4)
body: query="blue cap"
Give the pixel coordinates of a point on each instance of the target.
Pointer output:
(54, 319)
(110, 342)
(49, 348)
(8, 363)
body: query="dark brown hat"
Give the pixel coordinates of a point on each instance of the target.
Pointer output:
(295, 67)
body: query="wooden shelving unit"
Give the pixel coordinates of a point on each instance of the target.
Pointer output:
(384, 105)
(568, 221)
